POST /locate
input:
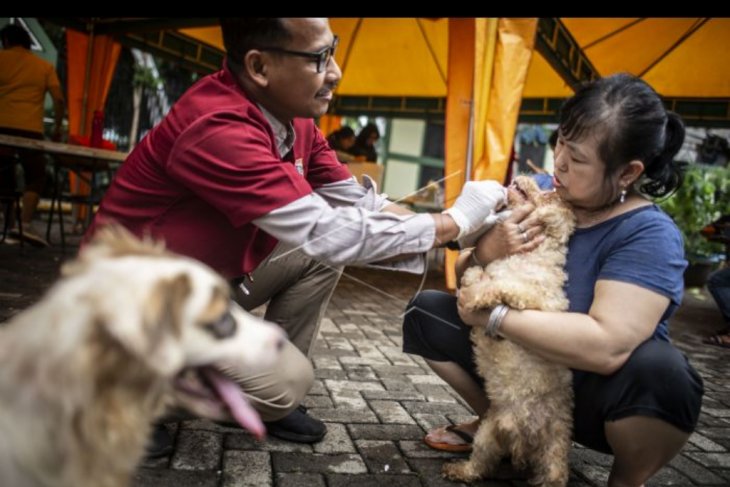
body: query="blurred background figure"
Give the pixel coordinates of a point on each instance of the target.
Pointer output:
(364, 148)
(719, 286)
(341, 141)
(24, 80)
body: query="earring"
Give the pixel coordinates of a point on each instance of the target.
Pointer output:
(622, 198)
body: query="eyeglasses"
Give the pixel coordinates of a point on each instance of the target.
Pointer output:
(322, 58)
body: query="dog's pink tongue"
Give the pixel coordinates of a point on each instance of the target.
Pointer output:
(232, 395)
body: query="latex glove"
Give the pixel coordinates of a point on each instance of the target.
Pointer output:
(478, 199)
(491, 220)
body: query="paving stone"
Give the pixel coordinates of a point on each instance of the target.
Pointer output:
(337, 440)
(398, 384)
(392, 432)
(393, 395)
(373, 480)
(364, 360)
(721, 460)
(434, 407)
(436, 393)
(418, 449)
(427, 379)
(157, 477)
(244, 441)
(318, 402)
(318, 389)
(360, 372)
(429, 421)
(429, 471)
(344, 415)
(300, 480)
(330, 374)
(393, 370)
(339, 343)
(246, 469)
(326, 362)
(382, 457)
(391, 412)
(327, 325)
(318, 463)
(197, 450)
(696, 472)
(705, 443)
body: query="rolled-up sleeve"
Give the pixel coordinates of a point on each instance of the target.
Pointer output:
(351, 235)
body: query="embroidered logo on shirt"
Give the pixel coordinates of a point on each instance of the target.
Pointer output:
(299, 165)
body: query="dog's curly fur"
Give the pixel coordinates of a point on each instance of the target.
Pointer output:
(531, 400)
(128, 330)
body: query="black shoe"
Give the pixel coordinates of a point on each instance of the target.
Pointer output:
(298, 427)
(160, 443)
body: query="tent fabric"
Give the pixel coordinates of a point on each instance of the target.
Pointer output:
(407, 56)
(487, 72)
(679, 57)
(103, 61)
(101, 65)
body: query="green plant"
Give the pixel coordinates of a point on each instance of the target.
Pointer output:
(703, 197)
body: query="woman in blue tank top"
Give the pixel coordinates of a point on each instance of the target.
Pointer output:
(636, 396)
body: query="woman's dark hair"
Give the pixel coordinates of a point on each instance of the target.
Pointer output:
(14, 35)
(241, 34)
(343, 133)
(365, 133)
(633, 124)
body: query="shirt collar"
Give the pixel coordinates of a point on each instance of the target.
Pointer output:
(283, 134)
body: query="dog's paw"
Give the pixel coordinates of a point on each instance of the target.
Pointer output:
(461, 471)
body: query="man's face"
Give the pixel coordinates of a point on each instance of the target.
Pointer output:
(295, 87)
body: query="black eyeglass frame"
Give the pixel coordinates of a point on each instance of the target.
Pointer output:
(322, 57)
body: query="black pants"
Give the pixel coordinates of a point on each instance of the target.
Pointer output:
(656, 381)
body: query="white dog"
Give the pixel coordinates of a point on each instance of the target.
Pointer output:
(127, 331)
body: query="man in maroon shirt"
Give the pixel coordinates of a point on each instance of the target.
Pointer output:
(238, 176)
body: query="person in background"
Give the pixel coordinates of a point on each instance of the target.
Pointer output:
(364, 148)
(238, 176)
(24, 80)
(341, 141)
(636, 395)
(718, 284)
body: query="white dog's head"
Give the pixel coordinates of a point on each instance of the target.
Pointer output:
(173, 315)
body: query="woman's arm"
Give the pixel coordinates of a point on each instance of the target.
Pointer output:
(621, 317)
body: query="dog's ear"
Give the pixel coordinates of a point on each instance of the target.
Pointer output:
(153, 332)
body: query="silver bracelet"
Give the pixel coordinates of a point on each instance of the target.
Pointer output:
(495, 320)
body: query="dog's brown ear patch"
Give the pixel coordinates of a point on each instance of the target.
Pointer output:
(164, 309)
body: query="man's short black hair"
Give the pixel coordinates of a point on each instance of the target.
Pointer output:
(241, 34)
(14, 35)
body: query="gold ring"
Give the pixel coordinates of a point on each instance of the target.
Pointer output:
(524, 237)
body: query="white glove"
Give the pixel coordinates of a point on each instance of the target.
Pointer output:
(491, 220)
(475, 203)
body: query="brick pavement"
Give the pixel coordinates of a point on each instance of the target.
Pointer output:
(378, 402)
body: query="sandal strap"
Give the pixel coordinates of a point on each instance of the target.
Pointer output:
(468, 439)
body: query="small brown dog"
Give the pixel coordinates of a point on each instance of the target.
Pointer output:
(531, 400)
(129, 329)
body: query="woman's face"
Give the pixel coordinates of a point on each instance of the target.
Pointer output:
(579, 173)
(347, 142)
